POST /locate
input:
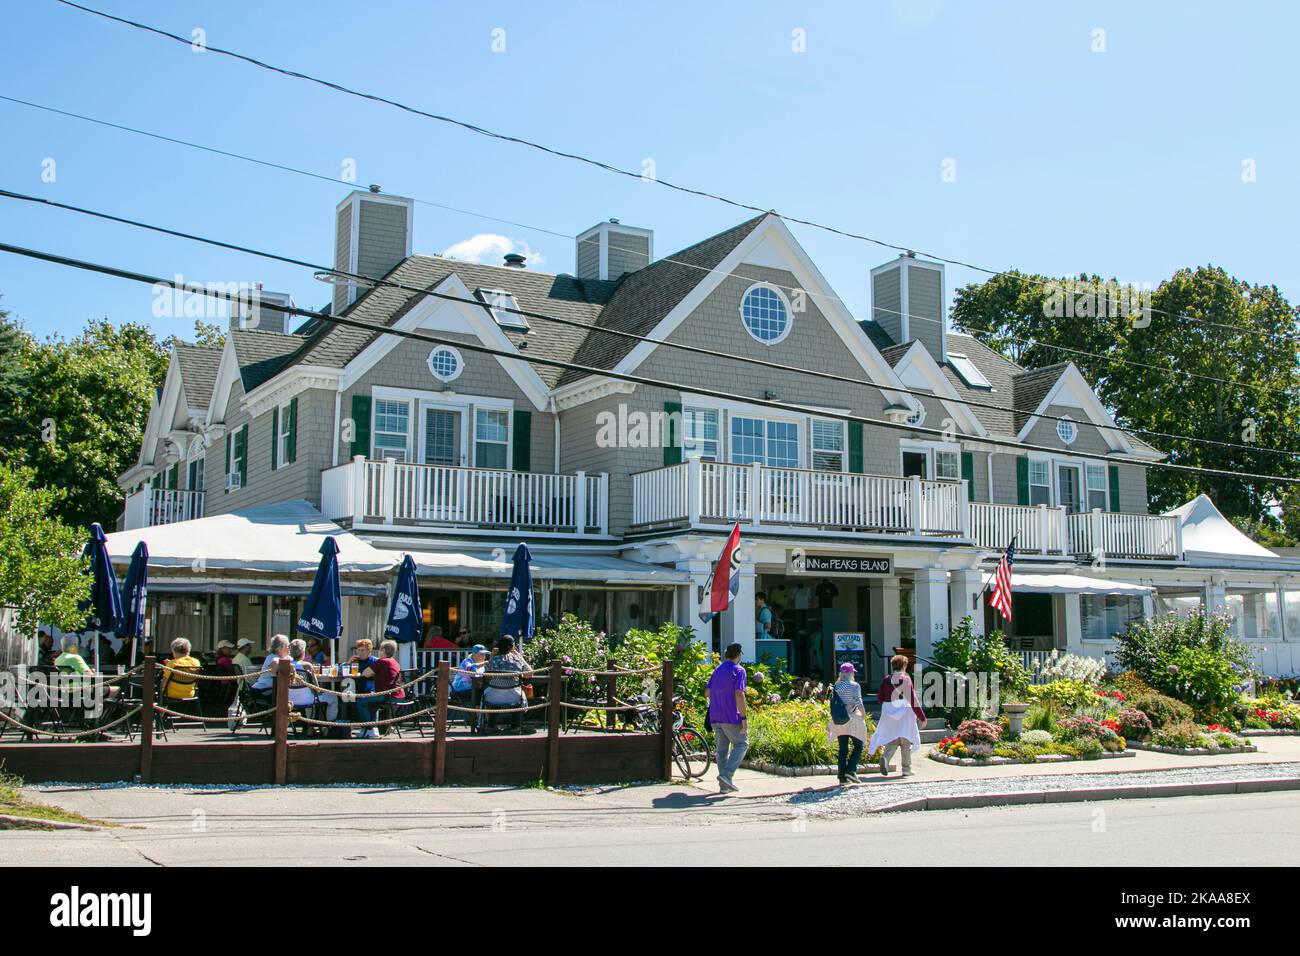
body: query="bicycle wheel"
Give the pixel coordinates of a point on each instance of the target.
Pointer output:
(695, 752)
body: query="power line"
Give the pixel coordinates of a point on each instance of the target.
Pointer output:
(1178, 374)
(578, 157)
(590, 328)
(348, 322)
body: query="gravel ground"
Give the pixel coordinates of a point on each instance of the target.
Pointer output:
(854, 801)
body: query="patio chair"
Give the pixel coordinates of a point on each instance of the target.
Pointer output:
(251, 702)
(515, 721)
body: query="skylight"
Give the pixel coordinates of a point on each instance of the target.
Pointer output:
(967, 370)
(498, 301)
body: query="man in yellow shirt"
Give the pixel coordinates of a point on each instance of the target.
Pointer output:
(177, 683)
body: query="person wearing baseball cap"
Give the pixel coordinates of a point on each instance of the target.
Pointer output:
(241, 660)
(475, 661)
(847, 728)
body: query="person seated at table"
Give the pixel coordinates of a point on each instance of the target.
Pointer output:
(225, 657)
(179, 675)
(463, 639)
(363, 659)
(506, 691)
(476, 660)
(263, 686)
(243, 663)
(71, 661)
(45, 650)
(385, 674)
(434, 641)
(301, 696)
(316, 653)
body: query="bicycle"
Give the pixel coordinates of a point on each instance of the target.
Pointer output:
(692, 752)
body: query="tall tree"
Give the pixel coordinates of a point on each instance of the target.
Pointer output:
(41, 571)
(1209, 356)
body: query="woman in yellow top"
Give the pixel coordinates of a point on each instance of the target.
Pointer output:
(180, 686)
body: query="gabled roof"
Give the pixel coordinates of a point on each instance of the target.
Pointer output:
(262, 354)
(563, 296)
(645, 297)
(1030, 387)
(198, 365)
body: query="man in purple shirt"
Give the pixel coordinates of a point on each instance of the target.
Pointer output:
(727, 714)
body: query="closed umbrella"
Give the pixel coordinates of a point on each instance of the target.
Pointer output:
(518, 619)
(104, 609)
(134, 595)
(404, 620)
(322, 616)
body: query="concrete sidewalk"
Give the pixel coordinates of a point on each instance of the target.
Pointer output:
(754, 783)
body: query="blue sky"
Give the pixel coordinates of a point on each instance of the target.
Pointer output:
(1126, 162)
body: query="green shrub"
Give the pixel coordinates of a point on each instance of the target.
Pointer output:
(692, 663)
(1087, 748)
(966, 652)
(1162, 710)
(792, 734)
(1066, 694)
(1134, 724)
(1036, 738)
(1194, 658)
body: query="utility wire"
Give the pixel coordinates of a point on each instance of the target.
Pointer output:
(1177, 374)
(578, 157)
(348, 322)
(590, 328)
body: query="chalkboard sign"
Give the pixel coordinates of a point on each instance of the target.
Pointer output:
(850, 648)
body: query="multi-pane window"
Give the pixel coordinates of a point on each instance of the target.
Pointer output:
(947, 465)
(700, 433)
(1097, 487)
(491, 437)
(391, 434)
(1067, 431)
(283, 436)
(771, 443)
(828, 445)
(1040, 482)
(194, 478)
(765, 316)
(445, 363)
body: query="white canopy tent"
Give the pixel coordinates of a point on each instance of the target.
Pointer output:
(1207, 532)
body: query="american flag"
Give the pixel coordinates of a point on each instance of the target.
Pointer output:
(1001, 599)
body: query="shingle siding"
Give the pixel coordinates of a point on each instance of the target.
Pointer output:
(925, 308)
(627, 253)
(887, 303)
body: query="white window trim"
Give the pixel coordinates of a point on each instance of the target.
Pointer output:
(719, 440)
(506, 320)
(727, 410)
(789, 313)
(812, 443)
(1067, 420)
(231, 458)
(460, 363)
(419, 400)
(1054, 463)
(374, 414)
(470, 435)
(800, 435)
(281, 435)
(928, 448)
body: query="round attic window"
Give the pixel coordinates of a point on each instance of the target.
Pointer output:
(445, 363)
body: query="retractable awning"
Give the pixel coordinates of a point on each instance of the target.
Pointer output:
(597, 569)
(1072, 584)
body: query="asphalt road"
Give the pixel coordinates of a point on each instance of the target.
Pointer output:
(659, 826)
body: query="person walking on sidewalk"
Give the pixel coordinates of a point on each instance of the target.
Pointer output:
(901, 717)
(847, 728)
(727, 716)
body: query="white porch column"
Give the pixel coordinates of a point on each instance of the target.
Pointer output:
(1216, 597)
(1072, 614)
(931, 600)
(964, 587)
(689, 598)
(885, 625)
(738, 623)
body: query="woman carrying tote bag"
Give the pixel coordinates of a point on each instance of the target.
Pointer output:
(847, 727)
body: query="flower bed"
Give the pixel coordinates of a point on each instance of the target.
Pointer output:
(981, 743)
(1194, 751)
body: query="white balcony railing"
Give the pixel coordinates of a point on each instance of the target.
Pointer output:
(149, 507)
(706, 492)
(389, 492)
(1036, 529)
(1112, 534)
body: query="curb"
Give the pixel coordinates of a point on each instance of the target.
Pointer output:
(1081, 795)
(10, 822)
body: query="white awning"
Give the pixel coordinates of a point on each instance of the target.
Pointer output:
(597, 569)
(1071, 584)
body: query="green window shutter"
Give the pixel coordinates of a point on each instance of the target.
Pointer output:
(361, 425)
(968, 473)
(855, 448)
(522, 441)
(1022, 480)
(291, 443)
(672, 440)
(275, 437)
(1114, 487)
(227, 453)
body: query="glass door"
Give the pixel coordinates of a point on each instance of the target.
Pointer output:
(441, 437)
(1068, 486)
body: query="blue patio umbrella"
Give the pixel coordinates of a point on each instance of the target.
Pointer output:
(104, 609)
(518, 619)
(404, 621)
(322, 616)
(134, 594)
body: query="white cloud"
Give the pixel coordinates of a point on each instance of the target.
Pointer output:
(488, 248)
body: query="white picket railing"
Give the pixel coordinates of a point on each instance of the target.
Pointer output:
(1113, 534)
(709, 492)
(1036, 529)
(150, 507)
(390, 491)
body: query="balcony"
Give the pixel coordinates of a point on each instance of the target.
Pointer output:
(1090, 535)
(703, 493)
(383, 494)
(149, 507)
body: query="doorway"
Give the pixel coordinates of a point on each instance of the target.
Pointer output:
(915, 463)
(442, 441)
(1068, 484)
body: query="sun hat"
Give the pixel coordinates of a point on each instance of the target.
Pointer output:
(244, 642)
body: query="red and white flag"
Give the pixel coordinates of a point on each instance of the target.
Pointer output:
(724, 583)
(1001, 599)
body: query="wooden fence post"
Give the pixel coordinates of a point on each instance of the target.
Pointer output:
(611, 692)
(553, 708)
(442, 696)
(666, 720)
(146, 721)
(283, 677)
